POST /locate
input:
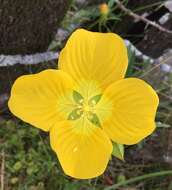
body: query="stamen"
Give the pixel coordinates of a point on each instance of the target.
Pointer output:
(85, 109)
(78, 112)
(79, 107)
(81, 101)
(93, 102)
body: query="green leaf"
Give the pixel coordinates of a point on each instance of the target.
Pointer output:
(118, 151)
(17, 166)
(114, 18)
(78, 98)
(94, 100)
(132, 61)
(111, 3)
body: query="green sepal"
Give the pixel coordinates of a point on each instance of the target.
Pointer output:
(118, 150)
(94, 119)
(78, 98)
(74, 114)
(96, 99)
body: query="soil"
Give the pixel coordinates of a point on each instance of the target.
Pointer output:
(29, 26)
(156, 42)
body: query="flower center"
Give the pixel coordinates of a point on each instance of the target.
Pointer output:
(85, 107)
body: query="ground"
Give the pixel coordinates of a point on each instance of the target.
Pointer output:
(29, 27)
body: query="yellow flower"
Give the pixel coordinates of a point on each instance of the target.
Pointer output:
(104, 9)
(87, 104)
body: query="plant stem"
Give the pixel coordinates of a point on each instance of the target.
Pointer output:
(139, 178)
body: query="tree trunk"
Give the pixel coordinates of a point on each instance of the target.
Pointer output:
(28, 26)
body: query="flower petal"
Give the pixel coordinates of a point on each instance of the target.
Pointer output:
(36, 98)
(100, 57)
(133, 108)
(82, 148)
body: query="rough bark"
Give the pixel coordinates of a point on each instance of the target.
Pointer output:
(28, 26)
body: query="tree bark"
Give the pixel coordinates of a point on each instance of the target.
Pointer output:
(28, 26)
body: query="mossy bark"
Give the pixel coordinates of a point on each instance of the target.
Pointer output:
(28, 26)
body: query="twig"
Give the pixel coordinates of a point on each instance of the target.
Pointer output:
(138, 17)
(158, 65)
(2, 170)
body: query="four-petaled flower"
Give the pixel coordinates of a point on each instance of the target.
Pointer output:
(87, 104)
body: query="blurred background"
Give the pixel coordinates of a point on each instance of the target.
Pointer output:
(32, 33)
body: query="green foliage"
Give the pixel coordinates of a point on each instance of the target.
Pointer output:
(29, 160)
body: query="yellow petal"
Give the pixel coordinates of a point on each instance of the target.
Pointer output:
(82, 148)
(133, 108)
(94, 56)
(37, 98)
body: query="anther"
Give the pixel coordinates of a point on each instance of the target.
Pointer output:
(93, 102)
(78, 112)
(81, 101)
(79, 107)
